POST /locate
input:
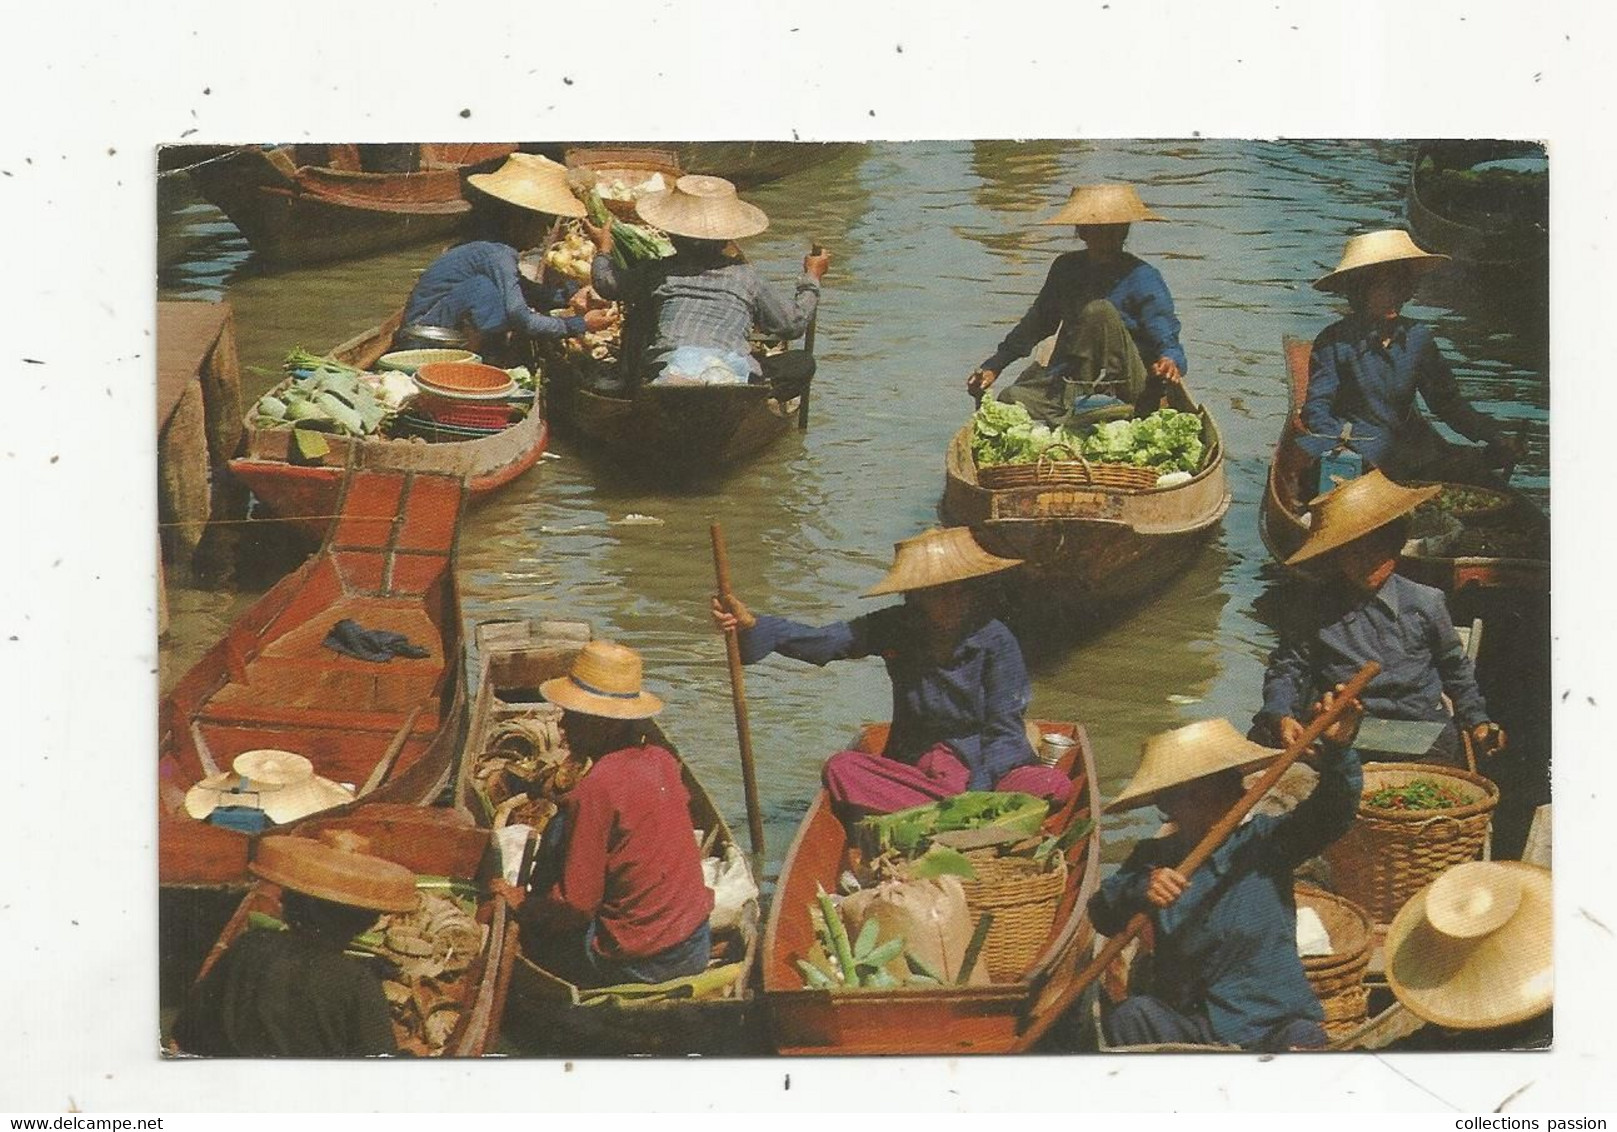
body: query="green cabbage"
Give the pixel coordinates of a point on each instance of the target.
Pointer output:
(1167, 440)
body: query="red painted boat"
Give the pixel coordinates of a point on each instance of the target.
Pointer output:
(993, 1018)
(387, 563)
(307, 495)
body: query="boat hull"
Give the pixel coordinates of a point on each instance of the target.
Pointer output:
(1510, 238)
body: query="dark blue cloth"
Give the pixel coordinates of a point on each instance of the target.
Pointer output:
(575, 957)
(1404, 626)
(1133, 286)
(480, 280)
(1227, 948)
(974, 701)
(1353, 378)
(1141, 1020)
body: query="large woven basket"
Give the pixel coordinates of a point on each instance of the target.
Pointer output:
(1023, 895)
(1051, 471)
(1387, 856)
(626, 164)
(1337, 979)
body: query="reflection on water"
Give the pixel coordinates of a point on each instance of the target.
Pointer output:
(936, 256)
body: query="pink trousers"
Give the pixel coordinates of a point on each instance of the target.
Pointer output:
(878, 785)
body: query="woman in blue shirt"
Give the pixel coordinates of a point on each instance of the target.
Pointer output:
(960, 688)
(1116, 334)
(1366, 370)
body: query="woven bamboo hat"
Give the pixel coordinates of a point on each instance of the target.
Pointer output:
(1356, 508)
(532, 182)
(702, 208)
(1185, 754)
(1102, 204)
(1473, 949)
(604, 681)
(281, 783)
(1390, 246)
(336, 868)
(936, 558)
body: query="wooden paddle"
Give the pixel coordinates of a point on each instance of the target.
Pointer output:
(738, 697)
(384, 765)
(808, 348)
(1205, 848)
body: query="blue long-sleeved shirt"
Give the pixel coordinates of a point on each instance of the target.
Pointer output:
(1228, 946)
(480, 280)
(974, 701)
(1133, 286)
(1353, 378)
(1405, 627)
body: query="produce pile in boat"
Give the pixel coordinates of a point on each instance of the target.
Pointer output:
(525, 769)
(1419, 794)
(1167, 440)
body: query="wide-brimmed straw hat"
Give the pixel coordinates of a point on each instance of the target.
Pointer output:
(530, 181)
(936, 558)
(1185, 754)
(1102, 204)
(1473, 949)
(336, 868)
(281, 783)
(702, 208)
(1390, 246)
(1356, 508)
(604, 680)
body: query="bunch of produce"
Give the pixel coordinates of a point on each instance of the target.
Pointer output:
(1167, 440)
(907, 831)
(839, 963)
(573, 254)
(1420, 794)
(329, 396)
(1463, 501)
(526, 768)
(618, 188)
(631, 243)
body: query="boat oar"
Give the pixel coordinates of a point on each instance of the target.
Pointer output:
(1216, 836)
(384, 765)
(808, 348)
(738, 697)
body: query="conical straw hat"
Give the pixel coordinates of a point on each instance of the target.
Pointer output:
(1185, 754)
(605, 681)
(1355, 509)
(1102, 204)
(936, 558)
(1473, 949)
(281, 783)
(336, 869)
(702, 208)
(532, 182)
(1390, 246)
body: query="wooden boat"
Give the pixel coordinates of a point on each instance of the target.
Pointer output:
(994, 1018)
(388, 563)
(1486, 203)
(744, 163)
(428, 842)
(306, 495)
(1282, 520)
(1091, 546)
(294, 214)
(709, 1014)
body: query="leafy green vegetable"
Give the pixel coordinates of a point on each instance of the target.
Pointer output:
(1167, 440)
(1420, 794)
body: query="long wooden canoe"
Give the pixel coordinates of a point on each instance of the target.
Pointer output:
(294, 215)
(306, 495)
(994, 1018)
(428, 842)
(1502, 224)
(1090, 548)
(387, 563)
(1283, 518)
(712, 1013)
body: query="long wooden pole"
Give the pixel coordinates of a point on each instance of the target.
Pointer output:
(738, 698)
(808, 348)
(1217, 835)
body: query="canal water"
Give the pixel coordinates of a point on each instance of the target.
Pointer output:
(936, 254)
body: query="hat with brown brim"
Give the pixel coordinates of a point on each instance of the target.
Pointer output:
(1355, 509)
(1373, 249)
(1473, 950)
(605, 681)
(532, 182)
(1185, 754)
(702, 208)
(283, 784)
(937, 558)
(1102, 204)
(335, 868)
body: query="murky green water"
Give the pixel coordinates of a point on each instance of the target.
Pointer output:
(936, 256)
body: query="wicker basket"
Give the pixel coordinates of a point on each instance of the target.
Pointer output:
(626, 164)
(1387, 856)
(1023, 895)
(1337, 979)
(1048, 471)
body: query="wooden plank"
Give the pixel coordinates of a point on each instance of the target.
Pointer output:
(186, 333)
